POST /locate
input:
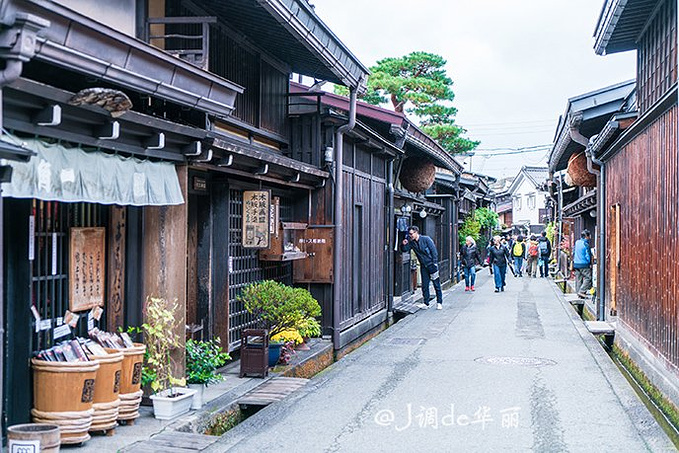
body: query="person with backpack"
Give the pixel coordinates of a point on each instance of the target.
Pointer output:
(499, 258)
(469, 256)
(518, 253)
(582, 263)
(545, 249)
(533, 256)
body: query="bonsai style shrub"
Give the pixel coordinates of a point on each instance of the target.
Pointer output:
(161, 339)
(278, 307)
(309, 328)
(202, 360)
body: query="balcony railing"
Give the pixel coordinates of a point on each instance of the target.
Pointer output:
(187, 38)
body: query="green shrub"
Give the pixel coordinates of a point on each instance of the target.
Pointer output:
(278, 307)
(202, 360)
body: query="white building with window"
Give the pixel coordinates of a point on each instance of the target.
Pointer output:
(528, 200)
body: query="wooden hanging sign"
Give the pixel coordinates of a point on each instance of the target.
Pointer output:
(256, 212)
(87, 268)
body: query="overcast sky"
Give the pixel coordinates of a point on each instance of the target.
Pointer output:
(514, 63)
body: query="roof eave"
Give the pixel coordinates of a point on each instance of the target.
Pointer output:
(294, 15)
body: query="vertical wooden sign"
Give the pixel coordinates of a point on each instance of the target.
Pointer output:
(87, 268)
(115, 314)
(256, 212)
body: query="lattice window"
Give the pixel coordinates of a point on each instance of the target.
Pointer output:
(246, 267)
(657, 56)
(50, 264)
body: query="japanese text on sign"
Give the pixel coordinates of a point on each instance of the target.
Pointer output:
(86, 274)
(256, 212)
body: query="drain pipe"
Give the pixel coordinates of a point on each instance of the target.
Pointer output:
(601, 224)
(392, 236)
(339, 206)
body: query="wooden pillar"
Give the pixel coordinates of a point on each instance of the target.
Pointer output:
(164, 259)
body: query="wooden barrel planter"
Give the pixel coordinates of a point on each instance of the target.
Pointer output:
(63, 393)
(130, 383)
(106, 401)
(27, 434)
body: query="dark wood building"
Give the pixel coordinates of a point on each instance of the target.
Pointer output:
(639, 208)
(149, 121)
(575, 180)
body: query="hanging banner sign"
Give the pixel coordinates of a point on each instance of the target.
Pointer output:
(87, 271)
(256, 212)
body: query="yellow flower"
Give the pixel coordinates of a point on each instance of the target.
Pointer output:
(288, 335)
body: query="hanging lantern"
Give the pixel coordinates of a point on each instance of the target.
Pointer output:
(417, 174)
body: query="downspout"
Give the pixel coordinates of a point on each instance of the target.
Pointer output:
(601, 224)
(392, 236)
(339, 206)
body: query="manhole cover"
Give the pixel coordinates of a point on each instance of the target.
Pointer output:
(521, 361)
(406, 341)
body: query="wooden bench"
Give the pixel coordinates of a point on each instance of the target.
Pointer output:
(602, 328)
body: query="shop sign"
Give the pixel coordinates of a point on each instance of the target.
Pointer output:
(256, 214)
(87, 271)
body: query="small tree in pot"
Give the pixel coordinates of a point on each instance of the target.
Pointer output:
(278, 307)
(170, 397)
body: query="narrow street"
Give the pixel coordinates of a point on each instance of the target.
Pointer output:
(514, 371)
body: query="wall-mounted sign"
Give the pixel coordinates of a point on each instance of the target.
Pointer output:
(256, 212)
(87, 271)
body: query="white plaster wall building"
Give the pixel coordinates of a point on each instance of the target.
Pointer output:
(528, 200)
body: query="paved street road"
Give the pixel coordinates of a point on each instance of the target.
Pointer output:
(512, 371)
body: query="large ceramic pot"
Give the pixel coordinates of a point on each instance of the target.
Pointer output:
(274, 353)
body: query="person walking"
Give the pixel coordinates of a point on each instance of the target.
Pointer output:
(545, 249)
(499, 257)
(469, 256)
(518, 253)
(532, 257)
(582, 263)
(428, 256)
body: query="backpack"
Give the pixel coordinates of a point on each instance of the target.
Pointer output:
(518, 249)
(544, 248)
(533, 249)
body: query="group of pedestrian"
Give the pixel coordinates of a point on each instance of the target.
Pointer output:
(534, 252)
(513, 253)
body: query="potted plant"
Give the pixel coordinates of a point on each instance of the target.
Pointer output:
(202, 360)
(308, 328)
(170, 397)
(278, 308)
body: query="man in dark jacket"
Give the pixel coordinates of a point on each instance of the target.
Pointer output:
(545, 248)
(426, 252)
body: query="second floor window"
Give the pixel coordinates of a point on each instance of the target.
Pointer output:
(517, 203)
(530, 202)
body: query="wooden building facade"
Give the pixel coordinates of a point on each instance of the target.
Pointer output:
(207, 120)
(640, 173)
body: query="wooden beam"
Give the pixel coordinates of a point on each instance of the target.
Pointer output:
(49, 116)
(108, 131)
(194, 149)
(157, 141)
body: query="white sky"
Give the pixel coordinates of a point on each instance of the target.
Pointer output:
(514, 63)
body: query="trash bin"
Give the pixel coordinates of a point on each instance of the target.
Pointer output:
(254, 352)
(33, 438)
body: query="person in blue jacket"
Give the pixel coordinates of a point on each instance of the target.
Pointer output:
(428, 256)
(582, 263)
